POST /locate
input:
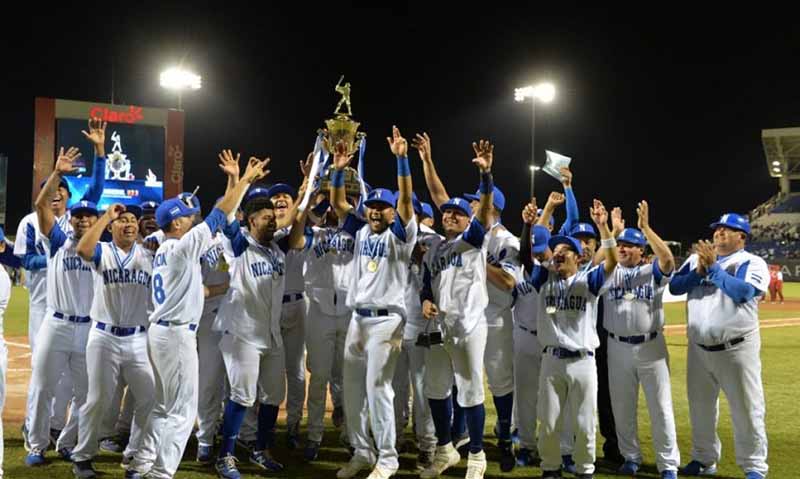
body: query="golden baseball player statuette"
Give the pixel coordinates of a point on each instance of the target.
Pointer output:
(343, 90)
(342, 127)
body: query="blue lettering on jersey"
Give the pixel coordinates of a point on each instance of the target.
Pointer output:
(74, 263)
(445, 262)
(523, 288)
(212, 256)
(566, 303)
(160, 260)
(265, 268)
(337, 243)
(126, 276)
(373, 250)
(640, 292)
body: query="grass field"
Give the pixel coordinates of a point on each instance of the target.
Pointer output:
(779, 345)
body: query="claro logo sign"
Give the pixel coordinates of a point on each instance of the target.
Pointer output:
(132, 115)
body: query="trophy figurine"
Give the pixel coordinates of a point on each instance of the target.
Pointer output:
(342, 127)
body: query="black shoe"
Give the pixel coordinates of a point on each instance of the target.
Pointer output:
(507, 458)
(54, 433)
(83, 470)
(611, 454)
(551, 474)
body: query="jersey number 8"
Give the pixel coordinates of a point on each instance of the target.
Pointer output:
(158, 289)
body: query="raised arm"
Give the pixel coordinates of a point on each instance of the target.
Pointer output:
(341, 159)
(88, 242)
(600, 217)
(528, 220)
(484, 155)
(256, 169)
(573, 215)
(617, 225)
(97, 135)
(555, 200)
(297, 238)
(399, 147)
(666, 261)
(230, 166)
(435, 186)
(63, 166)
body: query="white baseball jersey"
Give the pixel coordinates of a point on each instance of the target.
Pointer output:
(70, 286)
(122, 285)
(382, 285)
(177, 274)
(5, 295)
(455, 275)
(713, 316)
(158, 236)
(327, 265)
(415, 322)
(632, 304)
(257, 286)
(294, 263)
(567, 315)
(502, 250)
(526, 303)
(29, 240)
(214, 270)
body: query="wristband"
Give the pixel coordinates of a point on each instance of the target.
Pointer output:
(403, 168)
(337, 179)
(487, 185)
(608, 243)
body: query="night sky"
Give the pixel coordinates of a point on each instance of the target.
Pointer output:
(664, 106)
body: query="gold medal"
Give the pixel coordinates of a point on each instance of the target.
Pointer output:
(372, 266)
(551, 310)
(629, 296)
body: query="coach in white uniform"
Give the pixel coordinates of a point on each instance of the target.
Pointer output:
(724, 282)
(117, 344)
(378, 277)
(637, 350)
(566, 329)
(177, 293)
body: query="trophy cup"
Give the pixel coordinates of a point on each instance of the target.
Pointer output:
(342, 128)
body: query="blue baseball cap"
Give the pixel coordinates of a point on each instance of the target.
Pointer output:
(734, 222)
(256, 192)
(149, 207)
(427, 210)
(195, 199)
(583, 229)
(573, 243)
(83, 207)
(540, 212)
(456, 203)
(63, 183)
(632, 236)
(498, 200)
(173, 208)
(380, 195)
(281, 188)
(135, 209)
(541, 236)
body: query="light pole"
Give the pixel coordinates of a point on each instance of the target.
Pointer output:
(544, 92)
(179, 79)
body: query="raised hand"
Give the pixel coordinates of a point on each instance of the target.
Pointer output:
(256, 169)
(341, 157)
(529, 213)
(706, 256)
(555, 199)
(114, 211)
(429, 310)
(228, 163)
(643, 210)
(599, 214)
(484, 152)
(423, 145)
(305, 166)
(397, 143)
(566, 177)
(64, 161)
(97, 132)
(617, 223)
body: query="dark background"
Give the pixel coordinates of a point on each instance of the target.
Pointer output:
(665, 105)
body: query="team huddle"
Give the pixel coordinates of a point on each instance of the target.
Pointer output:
(153, 322)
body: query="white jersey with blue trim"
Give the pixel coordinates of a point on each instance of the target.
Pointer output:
(327, 265)
(713, 316)
(502, 250)
(415, 323)
(526, 302)
(70, 286)
(567, 315)
(379, 268)
(295, 260)
(177, 274)
(455, 272)
(257, 285)
(632, 305)
(5, 296)
(214, 268)
(122, 285)
(30, 240)
(158, 236)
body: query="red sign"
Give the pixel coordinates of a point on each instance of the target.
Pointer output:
(132, 115)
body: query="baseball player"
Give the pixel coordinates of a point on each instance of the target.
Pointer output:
(378, 277)
(326, 275)
(566, 322)
(117, 344)
(455, 295)
(503, 267)
(293, 316)
(527, 349)
(5, 295)
(147, 222)
(28, 246)
(63, 334)
(177, 294)
(633, 315)
(723, 283)
(253, 346)
(410, 369)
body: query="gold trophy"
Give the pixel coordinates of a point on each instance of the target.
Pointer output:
(343, 128)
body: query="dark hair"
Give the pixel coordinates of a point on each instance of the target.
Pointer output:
(255, 205)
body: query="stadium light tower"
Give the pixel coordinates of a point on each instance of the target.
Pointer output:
(544, 92)
(180, 79)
